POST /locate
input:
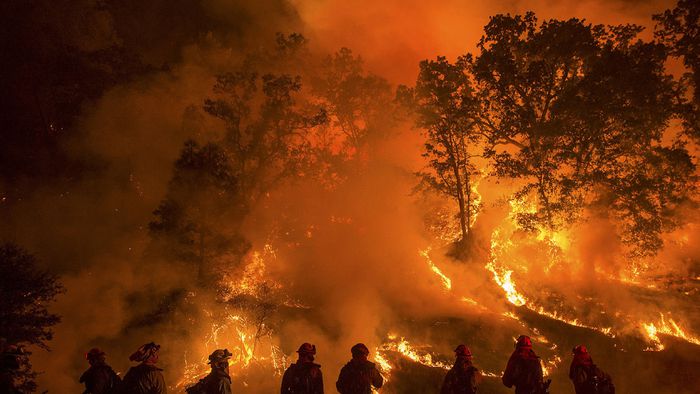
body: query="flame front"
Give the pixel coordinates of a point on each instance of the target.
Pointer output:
(504, 261)
(666, 326)
(237, 332)
(446, 282)
(510, 269)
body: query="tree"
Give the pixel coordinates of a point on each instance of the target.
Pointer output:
(267, 129)
(444, 102)
(26, 291)
(679, 30)
(579, 115)
(358, 103)
(192, 220)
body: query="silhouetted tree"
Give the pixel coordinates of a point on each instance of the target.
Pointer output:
(25, 292)
(198, 217)
(266, 140)
(358, 103)
(679, 30)
(579, 114)
(444, 104)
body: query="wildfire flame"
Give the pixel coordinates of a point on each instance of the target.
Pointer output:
(384, 365)
(505, 264)
(446, 282)
(666, 326)
(558, 244)
(235, 331)
(417, 354)
(403, 347)
(503, 278)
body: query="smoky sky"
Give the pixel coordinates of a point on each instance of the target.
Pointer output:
(393, 36)
(84, 207)
(114, 160)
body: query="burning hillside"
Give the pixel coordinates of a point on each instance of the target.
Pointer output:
(228, 175)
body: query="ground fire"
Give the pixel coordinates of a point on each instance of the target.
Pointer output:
(357, 197)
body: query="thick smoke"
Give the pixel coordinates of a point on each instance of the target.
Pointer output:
(393, 36)
(357, 268)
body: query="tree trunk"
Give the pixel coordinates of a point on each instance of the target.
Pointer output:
(469, 203)
(544, 199)
(460, 199)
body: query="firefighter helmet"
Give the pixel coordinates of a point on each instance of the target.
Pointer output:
(219, 355)
(463, 351)
(523, 342)
(307, 348)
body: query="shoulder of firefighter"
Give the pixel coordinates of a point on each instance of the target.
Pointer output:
(377, 379)
(358, 377)
(144, 378)
(579, 373)
(461, 380)
(100, 379)
(591, 378)
(214, 383)
(303, 378)
(448, 382)
(523, 371)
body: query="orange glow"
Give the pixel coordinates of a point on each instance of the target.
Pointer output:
(446, 282)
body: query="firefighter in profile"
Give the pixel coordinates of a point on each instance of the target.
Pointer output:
(359, 375)
(524, 369)
(100, 378)
(218, 381)
(145, 378)
(586, 376)
(304, 376)
(463, 378)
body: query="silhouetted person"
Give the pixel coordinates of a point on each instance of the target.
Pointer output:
(218, 381)
(144, 378)
(524, 370)
(463, 378)
(9, 365)
(359, 375)
(304, 376)
(586, 376)
(100, 378)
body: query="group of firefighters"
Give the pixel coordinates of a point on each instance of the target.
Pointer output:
(358, 376)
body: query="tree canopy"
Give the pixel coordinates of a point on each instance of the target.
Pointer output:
(679, 30)
(26, 291)
(577, 114)
(284, 115)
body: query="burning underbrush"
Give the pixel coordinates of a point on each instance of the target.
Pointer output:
(626, 322)
(347, 273)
